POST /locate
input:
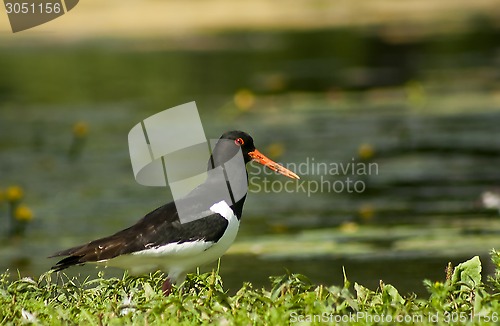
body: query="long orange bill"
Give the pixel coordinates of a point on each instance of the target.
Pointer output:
(262, 159)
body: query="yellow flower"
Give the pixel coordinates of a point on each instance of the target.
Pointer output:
(244, 99)
(14, 193)
(23, 213)
(80, 129)
(348, 227)
(279, 228)
(366, 151)
(2, 196)
(275, 150)
(366, 212)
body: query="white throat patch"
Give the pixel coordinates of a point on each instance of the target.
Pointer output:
(223, 209)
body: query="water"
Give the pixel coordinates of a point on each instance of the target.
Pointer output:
(434, 139)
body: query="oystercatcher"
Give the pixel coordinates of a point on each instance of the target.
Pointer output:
(160, 241)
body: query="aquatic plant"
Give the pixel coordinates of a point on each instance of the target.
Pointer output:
(80, 132)
(20, 215)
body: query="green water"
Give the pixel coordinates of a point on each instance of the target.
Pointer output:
(428, 109)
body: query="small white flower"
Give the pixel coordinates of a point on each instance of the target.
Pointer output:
(28, 316)
(126, 304)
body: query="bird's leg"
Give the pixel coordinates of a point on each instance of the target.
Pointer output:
(166, 287)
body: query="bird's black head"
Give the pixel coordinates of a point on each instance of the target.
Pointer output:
(232, 141)
(229, 144)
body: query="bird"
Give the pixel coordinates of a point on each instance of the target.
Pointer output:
(160, 241)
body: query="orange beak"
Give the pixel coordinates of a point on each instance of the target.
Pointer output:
(262, 159)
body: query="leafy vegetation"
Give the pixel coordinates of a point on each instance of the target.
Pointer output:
(56, 299)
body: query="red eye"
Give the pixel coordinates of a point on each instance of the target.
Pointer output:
(239, 141)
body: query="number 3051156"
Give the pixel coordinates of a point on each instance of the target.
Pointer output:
(33, 8)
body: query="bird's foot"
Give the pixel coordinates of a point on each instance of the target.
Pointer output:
(166, 287)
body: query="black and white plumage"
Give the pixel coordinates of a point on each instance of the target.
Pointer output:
(159, 241)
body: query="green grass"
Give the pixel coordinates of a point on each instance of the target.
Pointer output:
(55, 299)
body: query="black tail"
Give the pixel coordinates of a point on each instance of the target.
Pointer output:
(73, 259)
(97, 250)
(67, 262)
